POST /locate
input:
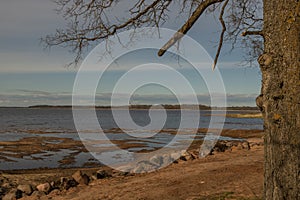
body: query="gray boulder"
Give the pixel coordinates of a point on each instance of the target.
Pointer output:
(156, 160)
(143, 167)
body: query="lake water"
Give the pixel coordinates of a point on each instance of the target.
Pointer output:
(16, 120)
(52, 127)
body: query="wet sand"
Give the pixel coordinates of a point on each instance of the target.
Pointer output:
(68, 152)
(236, 173)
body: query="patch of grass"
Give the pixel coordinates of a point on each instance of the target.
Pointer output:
(241, 115)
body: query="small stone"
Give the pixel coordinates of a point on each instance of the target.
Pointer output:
(166, 160)
(6, 185)
(138, 169)
(13, 194)
(228, 144)
(195, 155)
(122, 173)
(125, 168)
(67, 183)
(3, 180)
(204, 152)
(188, 157)
(144, 167)
(236, 148)
(156, 160)
(253, 144)
(246, 145)
(2, 191)
(184, 153)
(80, 178)
(240, 146)
(183, 158)
(222, 146)
(38, 194)
(102, 174)
(9, 196)
(27, 189)
(94, 177)
(55, 192)
(45, 187)
(55, 184)
(175, 156)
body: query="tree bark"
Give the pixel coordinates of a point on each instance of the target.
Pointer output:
(280, 98)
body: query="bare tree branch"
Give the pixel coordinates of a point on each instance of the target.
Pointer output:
(90, 22)
(222, 34)
(245, 15)
(188, 25)
(245, 33)
(95, 20)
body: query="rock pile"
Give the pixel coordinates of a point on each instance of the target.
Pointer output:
(11, 193)
(232, 146)
(223, 146)
(158, 161)
(56, 187)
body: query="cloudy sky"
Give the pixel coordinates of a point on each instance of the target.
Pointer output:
(30, 75)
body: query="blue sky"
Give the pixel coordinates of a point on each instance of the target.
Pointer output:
(30, 75)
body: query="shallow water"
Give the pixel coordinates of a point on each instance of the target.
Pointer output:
(19, 123)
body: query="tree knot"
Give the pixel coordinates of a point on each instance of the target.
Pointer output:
(259, 102)
(265, 60)
(276, 117)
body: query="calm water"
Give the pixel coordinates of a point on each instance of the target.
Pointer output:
(20, 120)
(20, 123)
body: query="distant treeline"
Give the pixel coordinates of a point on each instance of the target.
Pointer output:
(166, 106)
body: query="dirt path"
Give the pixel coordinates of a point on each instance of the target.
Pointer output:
(231, 175)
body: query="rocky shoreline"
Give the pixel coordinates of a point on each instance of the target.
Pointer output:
(18, 185)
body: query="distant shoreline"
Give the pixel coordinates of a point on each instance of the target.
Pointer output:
(143, 107)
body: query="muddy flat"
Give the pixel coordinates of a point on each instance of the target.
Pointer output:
(236, 173)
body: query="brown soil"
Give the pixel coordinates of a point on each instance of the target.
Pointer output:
(229, 175)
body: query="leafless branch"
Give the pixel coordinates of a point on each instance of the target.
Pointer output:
(91, 21)
(245, 15)
(245, 33)
(188, 25)
(95, 20)
(222, 34)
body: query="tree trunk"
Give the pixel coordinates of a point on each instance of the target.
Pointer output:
(280, 98)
